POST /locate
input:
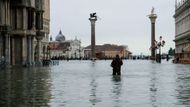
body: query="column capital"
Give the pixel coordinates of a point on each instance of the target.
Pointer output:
(5, 29)
(152, 18)
(40, 34)
(40, 11)
(93, 20)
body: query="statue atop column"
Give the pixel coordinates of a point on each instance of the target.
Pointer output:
(152, 11)
(93, 15)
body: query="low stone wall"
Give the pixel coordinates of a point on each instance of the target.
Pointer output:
(184, 61)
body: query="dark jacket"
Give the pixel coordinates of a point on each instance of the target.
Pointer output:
(116, 64)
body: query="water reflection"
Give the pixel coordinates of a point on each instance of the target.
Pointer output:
(24, 87)
(93, 85)
(183, 86)
(153, 88)
(116, 78)
(87, 84)
(93, 96)
(116, 90)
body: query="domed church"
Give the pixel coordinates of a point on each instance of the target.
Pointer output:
(60, 37)
(62, 48)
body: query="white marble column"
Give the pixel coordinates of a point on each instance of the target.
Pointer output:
(7, 49)
(13, 51)
(1, 12)
(29, 53)
(1, 45)
(39, 37)
(32, 49)
(24, 50)
(38, 49)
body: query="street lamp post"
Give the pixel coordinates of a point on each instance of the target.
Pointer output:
(48, 52)
(67, 51)
(75, 55)
(159, 44)
(79, 52)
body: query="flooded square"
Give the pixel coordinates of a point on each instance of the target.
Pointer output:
(142, 83)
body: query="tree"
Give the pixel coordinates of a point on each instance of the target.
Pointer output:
(171, 52)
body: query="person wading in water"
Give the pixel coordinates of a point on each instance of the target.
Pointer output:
(116, 65)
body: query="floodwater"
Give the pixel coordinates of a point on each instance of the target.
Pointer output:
(90, 84)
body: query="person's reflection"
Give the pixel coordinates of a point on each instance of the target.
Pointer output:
(116, 91)
(116, 78)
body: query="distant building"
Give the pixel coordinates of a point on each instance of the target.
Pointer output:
(65, 48)
(182, 29)
(108, 51)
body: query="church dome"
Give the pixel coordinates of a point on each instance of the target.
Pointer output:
(60, 37)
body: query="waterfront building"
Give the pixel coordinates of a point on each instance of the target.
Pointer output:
(182, 31)
(65, 48)
(21, 21)
(108, 51)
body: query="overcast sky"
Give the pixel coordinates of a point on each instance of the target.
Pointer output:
(122, 22)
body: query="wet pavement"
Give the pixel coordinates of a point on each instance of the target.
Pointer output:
(90, 84)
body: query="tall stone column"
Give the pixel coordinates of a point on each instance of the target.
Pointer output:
(39, 37)
(5, 29)
(1, 46)
(1, 12)
(152, 18)
(39, 27)
(93, 20)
